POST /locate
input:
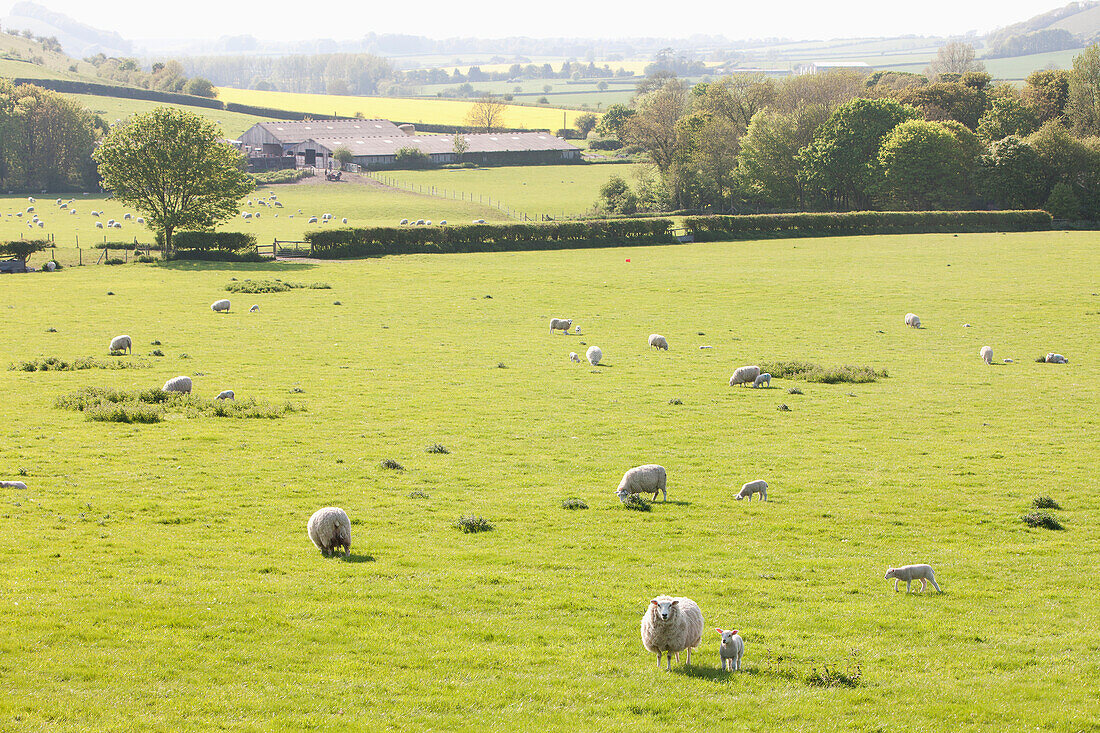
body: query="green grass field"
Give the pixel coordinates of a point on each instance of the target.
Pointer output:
(118, 108)
(159, 577)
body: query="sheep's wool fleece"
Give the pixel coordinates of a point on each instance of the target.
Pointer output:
(329, 528)
(178, 384)
(683, 629)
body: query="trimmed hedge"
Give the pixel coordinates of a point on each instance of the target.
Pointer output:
(67, 86)
(712, 228)
(187, 241)
(360, 242)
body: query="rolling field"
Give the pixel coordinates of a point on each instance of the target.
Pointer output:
(431, 111)
(158, 577)
(118, 108)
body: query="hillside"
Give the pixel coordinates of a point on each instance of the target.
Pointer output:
(78, 40)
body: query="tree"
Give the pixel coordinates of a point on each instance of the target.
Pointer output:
(736, 98)
(21, 249)
(617, 198)
(172, 166)
(199, 87)
(1007, 116)
(614, 120)
(947, 100)
(411, 157)
(1062, 203)
(585, 123)
(1047, 92)
(1009, 175)
(460, 145)
(343, 155)
(654, 126)
(925, 165)
(955, 57)
(1083, 108)
(487, 113)
(767, 168)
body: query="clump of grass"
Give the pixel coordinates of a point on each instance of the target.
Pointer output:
(391, 464)
(637, 503)
(436, 448)
(320, 286)
(418, 494)
(157, 352)
(117, 352)
(472, 524)
(155, 343)
(297, 390)
(124, 412)
(51, 330)
(574, 503)
(500, 365)
(336, 302)
(1044, 502)
(102, 403)
(184, 356)
(809, 372)
(783, 408)
(794, 390)
(1041, 359)
(1046, 520)
(22, 472)
(258, 286)
(829, 676)
(676, 401)
(249, 409)
(114, 261)
(55, 364)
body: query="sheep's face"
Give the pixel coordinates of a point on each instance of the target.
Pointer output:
(665, 608)
(889, 574)
(727, 636)
(622, 494)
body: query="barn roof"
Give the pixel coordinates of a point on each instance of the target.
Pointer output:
(289, 132)
(505, 142)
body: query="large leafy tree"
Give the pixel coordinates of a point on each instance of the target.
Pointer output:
(172, 166)
(1047, 92)
(1007, 116)
(927, 165)
(1083, 108)
(1010, 175)
(767, 168)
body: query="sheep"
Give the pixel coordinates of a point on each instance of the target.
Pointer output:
(730, 650)
(278, 204)
(312, 220)
(560, 324)
(672, 625)
(658, 341)
(246, 215)
(479, 221)
(419, 222)
(127, 217)
(428, 223)
(122, 343)
(745, 375)
(141, 220)
(99, 225)
(1053, 358)
(330, 529)
(574, 358)
(577, 330)
(12, 485)
(226, 395)
(254, 308)
(912, 320)
(178, 384)
(443, 223)
(764, 378)
(403, 222)
(110, 223)
(118, 225)
(72, 212)
(594, 354)
(646, 479)
(220, 305)
(759, 486)
(50, 266)
(987, 354)
(344, 220)
(909, 573)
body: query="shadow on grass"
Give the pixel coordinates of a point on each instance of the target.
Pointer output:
(205, 266)
(713, 674)
(359, 558)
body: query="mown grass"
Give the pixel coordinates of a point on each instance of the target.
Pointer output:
(159, 577)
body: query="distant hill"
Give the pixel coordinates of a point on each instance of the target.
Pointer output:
(78, 40)
(1073, 26)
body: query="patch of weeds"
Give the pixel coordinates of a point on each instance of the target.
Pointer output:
(124, 412)
(320, 286)
(117, 352)
(109, 405)
(145, 259)
(336, 302)
(500, 365)
(436, 448)
(297, 390)
(109, 293)
(1041, 359)
(391, 464)
(114, 261)
(574, 503)
(51, 330)
(157, 352)
(418, 494)
(472, 524)
(794, 390)
(249, 409)
(809, 372)
(831, 676)
(55, 364)
(676, 401)
(22, 472)
(155, 343)
(783, 408)
(1044, 502)
(637, 503)
(1046, 520)
(258, 286)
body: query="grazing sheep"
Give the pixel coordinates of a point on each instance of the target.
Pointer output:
(254, 308)
(987, 354)
(72, 212)
(909, 573)
(730, 650)
(912, 320)
(759, 486)
(141, 220)
(178, 384)
(344, 220)
(12, 485)
(594, 354)
(312, 220)
(573, 357)
(110, 222)
(246, 215)
(330, 529)
(764, 378)
(672, 625)
(745, 375)
(419, 222)
(479, 221)
(220, 305)
(1053, 358)
(560, 324)
(127, 217)
(403, 222)
(122, 343)
(50, 266)
(428, 223)
(118, 225)
(658, 341)
(443, 223)
(647, 479)
(226, 395)
(99, 225)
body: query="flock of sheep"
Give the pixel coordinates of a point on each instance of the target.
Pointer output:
(35, 221)
(986, 352)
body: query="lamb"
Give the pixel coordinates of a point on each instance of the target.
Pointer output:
(764, 378)
(122, 343)
(574, 358)
(220, 305)
(330, 529)
(12, 485)
(254, 308)
(745, 375)
(730, 650)
(1053, 358)
(226, 395)
(672, 625)
(594, 354)
(658, 341)
(178, 384)
(912, 320)
(760, 486)
(560, 324)
(647, 479)
(987, 354)
(909, 573)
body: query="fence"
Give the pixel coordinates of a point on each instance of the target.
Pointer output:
(285, 248)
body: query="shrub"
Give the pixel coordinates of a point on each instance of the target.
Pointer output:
(574, 503)
(227, 242)
(1045, 520)
(54, 364)
(110, 405)
(637, 503)
(605, 144)
(758, 226)
(436, 448)
(809, 372)
(258, 286)
(124, 412)
(1044, 502)
(391, 464)
(411, 158)
(288, 175)
(473, 524)
(157, 352)
(114, 261)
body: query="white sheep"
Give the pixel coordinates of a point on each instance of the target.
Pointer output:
(12, 485)
(72, 212)
(479, 221)
(220, 305)
(909, 573)
(403, 222)
(574, 358)
(246, 215)
(118, 225)
(344, 220)
(330, 529)
(672, 625)
(141, 220)
(127, 217)
(594, 354)
(419, 222)
(745, 375)
(254, 308)
(764, 378)
(912, 320)
(647, 479)
(560, 324)
(987, 354)
(122, 343)
(99, 225)
(658, 341)
(730, 650)
(178, 384)
(443, 223)
(577, 330)
(759, 486)
(1053, 358)
(428, 223)
(312, 220)
(226, 395)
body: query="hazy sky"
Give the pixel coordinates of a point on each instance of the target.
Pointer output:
(344, 19)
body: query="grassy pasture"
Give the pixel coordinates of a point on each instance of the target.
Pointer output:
(119, 108)
(159, 577)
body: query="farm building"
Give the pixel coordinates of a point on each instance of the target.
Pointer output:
(820, 67)
(374, 144)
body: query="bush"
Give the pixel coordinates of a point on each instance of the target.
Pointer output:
(258, 286)
(391, 464)
(816, 373)
(233, 242)
(436, 448)
(411, 158)
(574, 504)
(1045, 520)
(758, 226)
(473, 524)
(1044, 502)
(157, 352)
(676, 401)
(108, 405)
(288, 175)
(637, 503)
(55, 364)
(609, 143)
(418, 494)
(125, 412)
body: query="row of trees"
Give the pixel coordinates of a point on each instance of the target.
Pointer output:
(843, 141)
(162, 77)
